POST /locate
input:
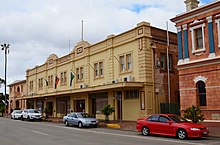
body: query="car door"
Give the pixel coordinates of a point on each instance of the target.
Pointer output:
(75, 119)
(164, 125)
(151, 123)
(70, 119)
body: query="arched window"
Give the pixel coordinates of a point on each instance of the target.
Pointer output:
(17, 104)
(18, 89)
(201, 93)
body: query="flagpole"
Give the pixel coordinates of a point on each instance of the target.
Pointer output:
(168, 69)
(82, 31)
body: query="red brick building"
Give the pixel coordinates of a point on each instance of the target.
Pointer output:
(199, 57)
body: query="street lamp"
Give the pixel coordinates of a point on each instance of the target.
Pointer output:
(5, 47)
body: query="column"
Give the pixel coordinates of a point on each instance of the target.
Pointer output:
(186, 49)
(211, 38)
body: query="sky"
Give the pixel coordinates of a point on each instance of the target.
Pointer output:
(37, 28)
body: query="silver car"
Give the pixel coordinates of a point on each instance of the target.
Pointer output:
(16, 114)
(80, 119)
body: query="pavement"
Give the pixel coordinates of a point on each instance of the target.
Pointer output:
(213, 126)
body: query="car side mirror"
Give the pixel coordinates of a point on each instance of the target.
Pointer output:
(170, 122)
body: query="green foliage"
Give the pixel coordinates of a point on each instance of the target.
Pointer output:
(194, 113)
(2, 107)
(47, 111)
(107, 110)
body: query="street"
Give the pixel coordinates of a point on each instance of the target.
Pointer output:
(16, 132)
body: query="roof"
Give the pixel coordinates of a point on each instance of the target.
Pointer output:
(17, 82)
(196, 11)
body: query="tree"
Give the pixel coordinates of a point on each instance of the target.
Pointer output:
(107, 110)
(47, 111)
(194, 113)
(2, 108)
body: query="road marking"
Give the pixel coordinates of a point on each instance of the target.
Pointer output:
(3, 123)
(42, 133)
(130, 136)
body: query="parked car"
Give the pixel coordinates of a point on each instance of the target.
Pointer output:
(31, 114)
(80, 119)
(170, 125)
(16, 114)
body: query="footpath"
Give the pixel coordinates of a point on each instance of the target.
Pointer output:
(213, 126)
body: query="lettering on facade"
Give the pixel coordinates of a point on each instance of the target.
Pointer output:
(50, 61)
(140, 31)
(79, 50)
(64, 59)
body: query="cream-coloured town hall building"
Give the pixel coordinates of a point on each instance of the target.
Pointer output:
(127, 71)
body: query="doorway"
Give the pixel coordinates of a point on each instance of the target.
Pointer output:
(80, 105)
(50, 106)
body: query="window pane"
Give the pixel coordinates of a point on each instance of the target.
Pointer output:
(199, 38)
(122, 61)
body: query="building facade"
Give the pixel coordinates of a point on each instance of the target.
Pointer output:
(199, 57)
(127, 71)
(17, 91)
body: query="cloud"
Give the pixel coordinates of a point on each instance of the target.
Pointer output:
(39, 28)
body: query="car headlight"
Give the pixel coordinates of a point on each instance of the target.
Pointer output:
(194, 129)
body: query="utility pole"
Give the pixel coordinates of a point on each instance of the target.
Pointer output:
(5, 47)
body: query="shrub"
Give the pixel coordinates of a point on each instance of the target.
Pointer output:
(194, 113)
(107, 110)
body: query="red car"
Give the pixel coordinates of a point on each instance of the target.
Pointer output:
(170, 125)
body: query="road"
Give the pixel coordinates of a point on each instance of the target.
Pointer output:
(16, 132)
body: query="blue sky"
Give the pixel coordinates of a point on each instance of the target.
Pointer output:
(37, 28)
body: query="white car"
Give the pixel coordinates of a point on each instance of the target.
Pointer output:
(31, 114)
(16, 114)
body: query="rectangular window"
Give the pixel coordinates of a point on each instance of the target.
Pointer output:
(125, 62)
(63, 77)
(218, 28)
(21, 88)
(197, 35)
(132, 94)
(101, 68)
(31, 85)
(79, 73)
(40, 83)
(50, 81)
(170, 62)
(128, 59)
(162, 61)
(100, 103)
(122, 62)
(96, 70)
(198, 38)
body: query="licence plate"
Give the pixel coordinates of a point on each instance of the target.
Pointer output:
(204, 132)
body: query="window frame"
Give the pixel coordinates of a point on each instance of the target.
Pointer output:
(218, 30)
(201, 94)
(195, 49)
(79, 73)
(125, 62)
(163, 61)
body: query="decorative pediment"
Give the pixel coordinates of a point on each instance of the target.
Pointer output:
(51, 58)
(200, 78)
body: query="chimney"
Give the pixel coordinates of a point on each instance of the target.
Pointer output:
(191, 4)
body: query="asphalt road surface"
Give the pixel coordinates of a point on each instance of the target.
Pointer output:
(16, 132)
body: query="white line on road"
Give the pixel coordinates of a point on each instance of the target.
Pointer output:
(3, 123)
(42, 133)
(131, 136)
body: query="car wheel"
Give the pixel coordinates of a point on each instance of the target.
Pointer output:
(66, 123)
(80, 125)
(11, 117)
(182, 134)
(145, 131)
(22, 119)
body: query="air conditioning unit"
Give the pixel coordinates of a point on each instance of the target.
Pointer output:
(115, 81)
(83, 86)
(128, 78)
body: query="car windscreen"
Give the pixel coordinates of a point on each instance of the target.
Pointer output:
(83, 115)
(177, 118)
(18, 111)
(33, 111)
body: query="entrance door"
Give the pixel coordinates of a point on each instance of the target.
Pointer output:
(80, 105)
(119, 97)
(50, 106)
